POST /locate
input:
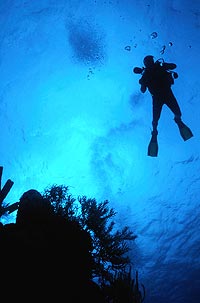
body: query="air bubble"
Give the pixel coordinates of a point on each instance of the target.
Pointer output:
(154, 35)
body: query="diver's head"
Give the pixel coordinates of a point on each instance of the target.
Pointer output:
(148, 61)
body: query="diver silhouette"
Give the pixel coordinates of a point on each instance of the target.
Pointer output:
(158, 77)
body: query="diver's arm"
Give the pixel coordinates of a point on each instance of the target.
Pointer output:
(169, 65)
(143, 87)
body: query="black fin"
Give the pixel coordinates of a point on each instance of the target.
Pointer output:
(185, 131)
(153, 146)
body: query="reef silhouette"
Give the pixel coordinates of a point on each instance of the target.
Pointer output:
(47, 254)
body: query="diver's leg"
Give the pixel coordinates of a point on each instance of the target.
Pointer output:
(157, 108)
(172, 103)
(185, 131)
(153, 144)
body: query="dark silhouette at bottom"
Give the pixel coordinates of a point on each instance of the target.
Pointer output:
(48, 255)
(45, 257)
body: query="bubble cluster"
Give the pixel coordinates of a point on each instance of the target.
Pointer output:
(86, 42)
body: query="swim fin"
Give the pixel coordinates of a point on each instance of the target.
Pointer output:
(185, 131)
(153, 145)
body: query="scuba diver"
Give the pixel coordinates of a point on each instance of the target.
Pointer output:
(158, 77)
